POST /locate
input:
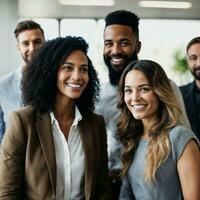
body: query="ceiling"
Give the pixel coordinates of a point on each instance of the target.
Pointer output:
(52, 9)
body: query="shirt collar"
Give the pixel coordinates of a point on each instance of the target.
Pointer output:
(78, 117)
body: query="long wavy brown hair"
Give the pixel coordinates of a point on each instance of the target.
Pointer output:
(130, 130)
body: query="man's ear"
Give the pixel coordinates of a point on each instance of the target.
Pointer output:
(139, 44)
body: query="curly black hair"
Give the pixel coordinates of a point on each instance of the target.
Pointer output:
(39, 78)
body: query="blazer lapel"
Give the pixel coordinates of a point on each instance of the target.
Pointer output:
(43, 125)
(88, 145)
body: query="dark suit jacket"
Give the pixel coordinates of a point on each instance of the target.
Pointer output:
(27, 159)
(191, 107)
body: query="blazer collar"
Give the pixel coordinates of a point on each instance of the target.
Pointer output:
(43, 125)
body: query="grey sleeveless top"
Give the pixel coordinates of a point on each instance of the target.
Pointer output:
(167, 185)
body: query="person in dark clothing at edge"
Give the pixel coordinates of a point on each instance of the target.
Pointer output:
(191, 91)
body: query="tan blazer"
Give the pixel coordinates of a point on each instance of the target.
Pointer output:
(27, 158)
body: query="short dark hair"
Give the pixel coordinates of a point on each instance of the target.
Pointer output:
(26, 25)
(39, 83)
(123, 17)
(191, 42)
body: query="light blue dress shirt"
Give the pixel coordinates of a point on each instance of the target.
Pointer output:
(107, 107)
(10, 97)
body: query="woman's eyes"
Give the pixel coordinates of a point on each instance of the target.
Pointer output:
(145, 89)
(67, 67)
(141, 89)
(84, 69)
(71, 68)
(127, 90)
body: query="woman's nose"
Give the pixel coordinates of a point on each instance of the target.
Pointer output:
(136, 95)
(76, 75)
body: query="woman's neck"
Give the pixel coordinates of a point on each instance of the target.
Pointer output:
(64, 112)
(64, 109)
(147, 124)
(145, 134)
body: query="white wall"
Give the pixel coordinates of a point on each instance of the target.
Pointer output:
(9, 58)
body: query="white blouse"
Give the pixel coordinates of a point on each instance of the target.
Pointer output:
(69, 160)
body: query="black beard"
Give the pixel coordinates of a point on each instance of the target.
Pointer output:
(114, 75)
(196, 75)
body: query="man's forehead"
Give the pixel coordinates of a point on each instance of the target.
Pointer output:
(30, 34)
(119, 27)
(195, 48)
(118, 31)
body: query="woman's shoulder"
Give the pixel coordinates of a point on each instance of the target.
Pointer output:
(181, 132)
(179, 137)
(26, 110)
(26, 115)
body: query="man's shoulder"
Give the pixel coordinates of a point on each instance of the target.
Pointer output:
(5, 81)
(186, 87)
(6, 78)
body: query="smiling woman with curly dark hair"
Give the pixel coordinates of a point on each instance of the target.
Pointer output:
(55, 147)
(39, 83)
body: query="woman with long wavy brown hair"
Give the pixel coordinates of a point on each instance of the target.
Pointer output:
(161, 158)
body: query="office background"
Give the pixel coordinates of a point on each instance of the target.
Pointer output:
(163, 31)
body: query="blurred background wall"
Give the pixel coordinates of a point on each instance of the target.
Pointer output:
(164, 32)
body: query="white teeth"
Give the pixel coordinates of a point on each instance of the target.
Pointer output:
(74, 85)
(117, 59)
(138, 107)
